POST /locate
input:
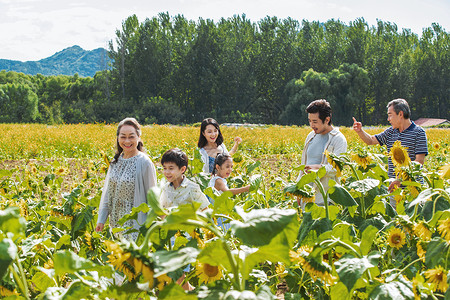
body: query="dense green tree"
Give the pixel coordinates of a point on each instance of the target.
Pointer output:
(18, 103)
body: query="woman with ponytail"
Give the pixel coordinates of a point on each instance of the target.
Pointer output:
(130, 175)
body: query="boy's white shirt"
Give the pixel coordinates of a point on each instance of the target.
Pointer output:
(187, 192)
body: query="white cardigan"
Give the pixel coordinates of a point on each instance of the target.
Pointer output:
(205, 157)
(145, 179)
(336, 144)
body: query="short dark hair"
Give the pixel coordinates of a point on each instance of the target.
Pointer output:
(400, 105)
(220, 159)
(322, 107)
(202, 142)
(176, 156)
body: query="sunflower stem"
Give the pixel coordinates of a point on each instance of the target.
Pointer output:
(324, 196)
(236, 282)
(22, 275)
(406, 267)
(338, 242)
(354, 171)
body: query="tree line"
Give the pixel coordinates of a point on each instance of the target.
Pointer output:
(173, 70)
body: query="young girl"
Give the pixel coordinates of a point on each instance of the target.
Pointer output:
(223, 166)
(130, 175)
(211, 143)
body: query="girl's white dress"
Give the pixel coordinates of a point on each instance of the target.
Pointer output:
(212, 183)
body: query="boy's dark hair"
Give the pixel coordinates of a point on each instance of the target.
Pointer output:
(220, 159)
(322, 107)
(176, 156)
(202, 142)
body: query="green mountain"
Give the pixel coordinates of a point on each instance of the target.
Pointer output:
(66, 62)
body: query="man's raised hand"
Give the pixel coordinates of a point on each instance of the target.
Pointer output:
(357, 126)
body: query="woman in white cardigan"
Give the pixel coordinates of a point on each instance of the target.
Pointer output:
(130, 175)
(211, 143)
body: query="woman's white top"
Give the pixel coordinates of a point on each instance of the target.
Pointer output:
(206, 158)
(126, 186)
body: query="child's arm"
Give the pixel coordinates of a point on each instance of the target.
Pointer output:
(237, 141)
(221, 186)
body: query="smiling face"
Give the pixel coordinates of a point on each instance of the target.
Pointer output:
(394, 118)
(317, 124)
(225, 169)
(128, 140)
(211, 133)
(172, 172)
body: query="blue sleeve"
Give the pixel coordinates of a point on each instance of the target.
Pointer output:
(382, 137)
(421, 143)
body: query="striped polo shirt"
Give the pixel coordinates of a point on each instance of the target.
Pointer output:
(413, 138)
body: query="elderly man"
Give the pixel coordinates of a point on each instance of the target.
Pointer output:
(402, 129)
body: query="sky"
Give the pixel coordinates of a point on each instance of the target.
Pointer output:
(35, 29)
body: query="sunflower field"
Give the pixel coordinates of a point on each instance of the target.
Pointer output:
(368, 244)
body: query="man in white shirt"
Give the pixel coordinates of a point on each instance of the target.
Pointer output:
(322, 137)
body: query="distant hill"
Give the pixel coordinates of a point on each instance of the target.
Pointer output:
(66, 62)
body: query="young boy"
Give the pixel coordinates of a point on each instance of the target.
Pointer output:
(179, 190)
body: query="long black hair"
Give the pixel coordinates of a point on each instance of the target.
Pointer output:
(220, 160)
(132, 122)
(202, 142)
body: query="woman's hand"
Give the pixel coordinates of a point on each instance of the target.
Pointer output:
(99, 227)
(237, 140)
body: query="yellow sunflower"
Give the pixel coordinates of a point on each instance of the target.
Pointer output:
(207, 234)
(88, 240)
(105, 159)
(444, 229)
(318, 271)
(362, 159)
(33, 169)
(163, 280)
(49, 264)
(23, 205)
(280, 270)
(436, 146)
(127, 268)
(299, 255)
(207, 273)
(103, 169)
(85, 174)
(399, 155)
(4, 292)
(117, 256)
(305, 193)
(421, 230)
(396, 238)
(147, 274)
(421, 252)
(438, 278)
(336, 163)
(61, 171)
